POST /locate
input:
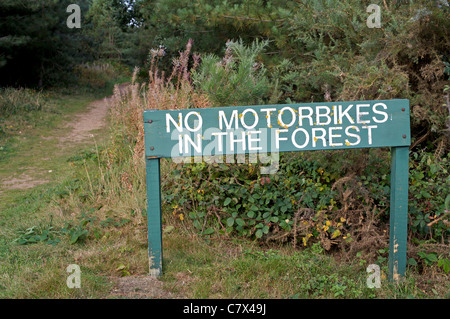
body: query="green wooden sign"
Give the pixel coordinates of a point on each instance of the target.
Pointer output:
(281, 128)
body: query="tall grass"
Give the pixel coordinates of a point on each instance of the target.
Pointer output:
(162, 92)
(115, 174)
(16, 101)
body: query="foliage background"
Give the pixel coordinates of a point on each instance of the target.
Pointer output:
(221, 53)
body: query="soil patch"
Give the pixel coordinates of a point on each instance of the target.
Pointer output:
(139, 287)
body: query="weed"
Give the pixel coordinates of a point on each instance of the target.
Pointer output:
(35, 234)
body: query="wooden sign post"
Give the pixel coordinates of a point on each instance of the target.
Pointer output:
(281, 128)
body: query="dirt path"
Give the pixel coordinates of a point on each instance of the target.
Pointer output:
(82, 126)
(94, 119)
(81, 129)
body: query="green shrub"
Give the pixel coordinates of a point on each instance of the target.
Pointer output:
(428, 192)
(239, 78)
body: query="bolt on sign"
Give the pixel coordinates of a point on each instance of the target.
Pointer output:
(262, 129)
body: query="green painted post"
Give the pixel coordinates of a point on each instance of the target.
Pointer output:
(399, 212)
(154, 217)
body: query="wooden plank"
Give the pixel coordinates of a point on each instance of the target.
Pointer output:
(303, 127)
(154, 217)
(399, 212)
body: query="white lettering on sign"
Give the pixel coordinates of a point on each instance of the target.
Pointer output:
(223, 118)
(294, 139)
(374, 109)
(297, 127)
(255, 120)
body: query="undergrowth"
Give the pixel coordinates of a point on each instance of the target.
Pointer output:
(343, 205)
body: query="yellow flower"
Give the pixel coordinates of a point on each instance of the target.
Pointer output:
(181, 217)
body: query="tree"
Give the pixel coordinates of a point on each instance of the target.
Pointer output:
(36, 46)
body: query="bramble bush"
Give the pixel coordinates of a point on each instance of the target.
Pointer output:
(303, 202)
(300, 203)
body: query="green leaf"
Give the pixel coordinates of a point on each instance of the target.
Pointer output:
(259, 233)
(77, 235)
(412, 262)
(208, 231)
(445, 264)
(227, 201)
(197, 224)
(432, 257)
(240, 222)
(121, 267)
(447, 202)
(230, 221)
